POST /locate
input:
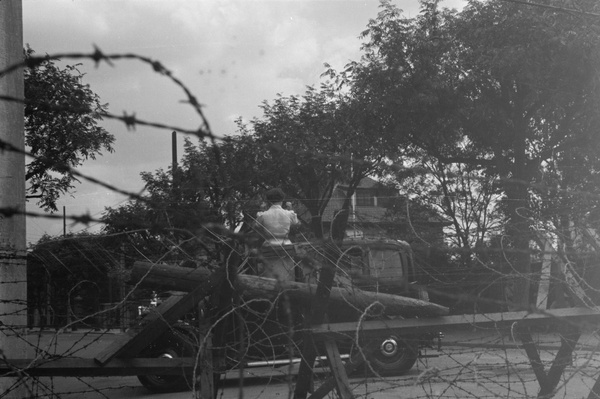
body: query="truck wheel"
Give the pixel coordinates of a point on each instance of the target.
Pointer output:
(170, 345)
(394, 356)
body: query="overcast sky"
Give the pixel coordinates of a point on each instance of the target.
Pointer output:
(233, 55)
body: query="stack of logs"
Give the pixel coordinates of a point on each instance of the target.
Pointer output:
(173, 277)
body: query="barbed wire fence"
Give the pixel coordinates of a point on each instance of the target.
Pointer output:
(473, 362)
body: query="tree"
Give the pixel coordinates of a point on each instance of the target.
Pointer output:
(310, 144)
(297, 137)
(61, 128)
(536, 98)
(466, 195)
(165, 223)
(225, 174)
(520, 82)
(306, 145)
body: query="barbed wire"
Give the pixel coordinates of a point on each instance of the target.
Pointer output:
(98, 56)
(463, 372)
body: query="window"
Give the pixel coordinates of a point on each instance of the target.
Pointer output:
(364, 198)
(353, 260)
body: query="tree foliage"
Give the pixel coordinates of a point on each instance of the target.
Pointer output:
(62, 116)
(499, 99)
(305, 145)
(165, 223)
(224, 174)
(520, 83)
(464, 195)
(310, 144)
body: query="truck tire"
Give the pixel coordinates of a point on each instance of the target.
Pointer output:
(171, 344)
(394, 356)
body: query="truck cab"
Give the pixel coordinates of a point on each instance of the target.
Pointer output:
(383, 266)
(376, 265)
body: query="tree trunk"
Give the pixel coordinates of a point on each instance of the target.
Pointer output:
(316, 226)
(519, 224)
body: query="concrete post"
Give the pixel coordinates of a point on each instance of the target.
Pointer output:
(13, 272)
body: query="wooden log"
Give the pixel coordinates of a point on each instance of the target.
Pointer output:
(185, 279)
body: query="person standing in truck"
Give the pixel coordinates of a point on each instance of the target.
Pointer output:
(275, 223)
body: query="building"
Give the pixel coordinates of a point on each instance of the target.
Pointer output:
(379, 211)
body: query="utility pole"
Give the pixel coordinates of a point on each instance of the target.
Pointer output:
(174, 151)
(176, 193)
(13, 246)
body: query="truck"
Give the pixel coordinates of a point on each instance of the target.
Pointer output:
(263, 331)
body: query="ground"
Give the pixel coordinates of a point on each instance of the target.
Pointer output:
(472, 363)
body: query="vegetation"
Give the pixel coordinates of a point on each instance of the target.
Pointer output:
(61, 128)
(499, 86)
(488, 115)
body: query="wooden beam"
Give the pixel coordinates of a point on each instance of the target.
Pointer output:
(318, 308)
(337, 369)
(122, 340)
(549, 381)
(78, 367)
(356, 360)
(131, 345)
(207, 376)
(500, 320)
(563, 358)
(534, 357)
(595, 392)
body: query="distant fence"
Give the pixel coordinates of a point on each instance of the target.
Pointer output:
(115, 315)
(118, 315)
